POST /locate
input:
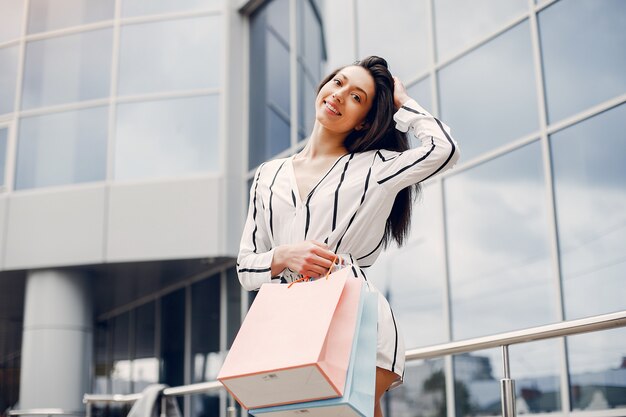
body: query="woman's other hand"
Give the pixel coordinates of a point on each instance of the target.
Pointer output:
(400, 96)
(309, 258)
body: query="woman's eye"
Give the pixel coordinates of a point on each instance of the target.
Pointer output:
(357, 98)
(336, 81)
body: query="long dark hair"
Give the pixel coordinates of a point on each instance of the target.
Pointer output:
(382, 134)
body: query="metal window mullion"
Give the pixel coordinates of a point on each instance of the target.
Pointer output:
(11, 156)
(187, 361)
(158, 324)
(448, 361)
(223, 128)
(112, 114)
(355, 28)
(223, 330)
(293, 68)
(132, 328)
(168, 95)
(169, 16)
(552, 215)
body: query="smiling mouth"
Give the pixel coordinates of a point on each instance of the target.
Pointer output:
(332, 108)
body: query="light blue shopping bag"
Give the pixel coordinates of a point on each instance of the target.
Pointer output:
(358, 398)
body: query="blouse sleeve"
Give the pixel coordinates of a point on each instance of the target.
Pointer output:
(254, 262)
(438, 151)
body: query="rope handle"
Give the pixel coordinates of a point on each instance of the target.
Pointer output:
(307, 278)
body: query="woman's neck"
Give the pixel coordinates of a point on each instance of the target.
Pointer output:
(323, 143)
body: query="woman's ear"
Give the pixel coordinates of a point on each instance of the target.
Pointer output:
(362, 125)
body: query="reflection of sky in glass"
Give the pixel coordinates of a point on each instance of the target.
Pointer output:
(589, 162)
(534, 367)
(3, 152)
(8, 77)
(498, 245)
(278, 81)
(310, 40)
(306, 95)
(45, 15)
(167, 138)
(131, 8)
(62, 148)
(416, 276)
(421, 92)
(488, 97)
(423, 389)
(597, 365)
(584, 54)
(120, 372)
(277, 12)
(171, 55)
(379, 26)
(68, 68)
(11, 19)
(459, 24)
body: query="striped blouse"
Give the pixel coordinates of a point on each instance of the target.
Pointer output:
(349, 206)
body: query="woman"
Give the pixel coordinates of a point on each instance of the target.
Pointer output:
(347, 193)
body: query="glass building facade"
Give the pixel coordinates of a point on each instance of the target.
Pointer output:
(528, 229)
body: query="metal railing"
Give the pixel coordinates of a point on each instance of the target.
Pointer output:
(45, 412)
(503, 340)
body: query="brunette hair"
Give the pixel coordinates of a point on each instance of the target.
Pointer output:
(380, 133)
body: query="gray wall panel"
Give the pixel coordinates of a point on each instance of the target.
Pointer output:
(164, 220)
(63, 227)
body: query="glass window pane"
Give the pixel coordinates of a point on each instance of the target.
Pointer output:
(459, 24)
(307, 93)
(378, 23)
(489, 97)
(415, 278)
(205, 343)
(171, 55)
(277, 14)
(172, 337)
(234, 305)
(101, 356)
(534, 367)
(499, 254)
(145, 362)
(597, 366)
(421, 92)
(131, 8)
(165, 138)
(4, 137)
(270, 93)
(62, 148)
(11, 19)
(589, 163)
(583, 64)
(310, 47)
(424, 389)
(67, 69)
(120, 371)
(8, 78)
(45, 15)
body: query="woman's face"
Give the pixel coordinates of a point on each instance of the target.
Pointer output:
(343, 102)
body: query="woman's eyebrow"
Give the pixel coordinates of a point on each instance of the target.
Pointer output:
(357, 88)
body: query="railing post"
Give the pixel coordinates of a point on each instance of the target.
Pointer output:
(231, 411)
(507, 386)
(88, 409)
(163, 406)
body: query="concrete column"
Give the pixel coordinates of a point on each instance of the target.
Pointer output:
(56, 340)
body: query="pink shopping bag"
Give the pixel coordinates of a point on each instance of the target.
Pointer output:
(295, 342)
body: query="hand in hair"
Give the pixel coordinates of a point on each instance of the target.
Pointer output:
(400, 96)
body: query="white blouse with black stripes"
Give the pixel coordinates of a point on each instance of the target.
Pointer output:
(349, 206)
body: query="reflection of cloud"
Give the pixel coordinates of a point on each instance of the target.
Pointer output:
(572, 83)
(597, 351)
(461, 23)
(489, 97)
(166, 137)
(397, 30)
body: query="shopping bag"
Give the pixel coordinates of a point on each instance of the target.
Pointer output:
(358, 398)
(295, 342)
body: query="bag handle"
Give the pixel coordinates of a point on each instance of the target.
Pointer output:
(308, 278)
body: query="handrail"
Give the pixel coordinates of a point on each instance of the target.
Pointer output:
(45, 412)
(548, 331)
(503, 340)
